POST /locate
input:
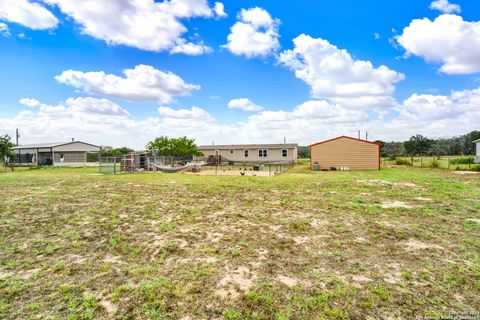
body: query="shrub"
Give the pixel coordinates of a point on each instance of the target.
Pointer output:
(476, 168)
(402, 162)
(468, 160)
(435, 164)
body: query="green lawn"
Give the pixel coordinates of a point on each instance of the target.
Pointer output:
(391, 244)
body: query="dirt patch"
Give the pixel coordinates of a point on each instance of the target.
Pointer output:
(465, 172)
(109, 306)
(289, 282)
(396, 204)
(406, 184)
(235, 282)
(232, 173)
(413, 244)
(360, 278)
(423, 199)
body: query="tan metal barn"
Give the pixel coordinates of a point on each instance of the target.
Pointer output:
(345, 152)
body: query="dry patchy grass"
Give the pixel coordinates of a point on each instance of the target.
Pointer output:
(75, 245)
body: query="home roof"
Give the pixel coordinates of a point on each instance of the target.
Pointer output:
(346, 137)
(249, 146)
(478, 140)
(48, 145)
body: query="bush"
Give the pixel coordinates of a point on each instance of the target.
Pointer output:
(476, 168)
(435, 164)
(402, 162)
(468, 160)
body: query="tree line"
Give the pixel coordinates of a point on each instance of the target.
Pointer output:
(419, 145)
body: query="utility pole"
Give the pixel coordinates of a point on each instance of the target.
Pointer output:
(366, 135)
(16, 137)
(359, 134)
(284, 140)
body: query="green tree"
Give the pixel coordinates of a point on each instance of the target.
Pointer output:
(108, 151)
(304, 152)
(6, 151)
(393, 149)
(382, 145)
(173, 147)
(418, 145)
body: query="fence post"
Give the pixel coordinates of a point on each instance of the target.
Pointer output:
(114, 167)
(448, 163)
(421, 161)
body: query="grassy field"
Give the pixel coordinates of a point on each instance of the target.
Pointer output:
(392, 244)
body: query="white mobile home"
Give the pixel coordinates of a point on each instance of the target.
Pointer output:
(253, 153)
(56, 153)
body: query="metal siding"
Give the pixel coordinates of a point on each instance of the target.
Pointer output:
(78, 147)
(355, 154)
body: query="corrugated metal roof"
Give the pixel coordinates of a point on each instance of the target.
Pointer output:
(48, 145)
(249, 146)
(40, 145)
(344, 137)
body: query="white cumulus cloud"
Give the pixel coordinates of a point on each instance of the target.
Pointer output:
(190, 48)
(27, 13)
(448, 40)
(104, 122)
(143, 24)
(333, 74)
(243, 104)
(445, 6)
(219, 10)
(254, 35)
(142, 83)
(4, 30)
(195, 113)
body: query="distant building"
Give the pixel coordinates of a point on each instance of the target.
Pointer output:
(345, 153)
(477, 143)
(57, 153)
(253, 153)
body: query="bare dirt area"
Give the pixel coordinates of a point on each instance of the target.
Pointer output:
(220, 172)
(391, 244)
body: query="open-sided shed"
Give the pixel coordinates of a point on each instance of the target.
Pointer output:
(345, 152)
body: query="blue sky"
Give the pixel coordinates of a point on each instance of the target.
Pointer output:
(231, 73)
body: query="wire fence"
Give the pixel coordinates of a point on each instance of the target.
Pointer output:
(247, 169)
(144, 163)
(441, 162)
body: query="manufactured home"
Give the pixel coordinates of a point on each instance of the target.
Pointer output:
(345, 153)
(57, 153)
(477, 157)
(253, 153)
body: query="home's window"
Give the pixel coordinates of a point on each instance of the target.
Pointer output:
(262, 153)
(245, 153)
(284, 153)
(231, 151)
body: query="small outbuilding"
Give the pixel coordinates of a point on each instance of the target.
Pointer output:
(477, 157)
(345, 153)
(57, 153)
